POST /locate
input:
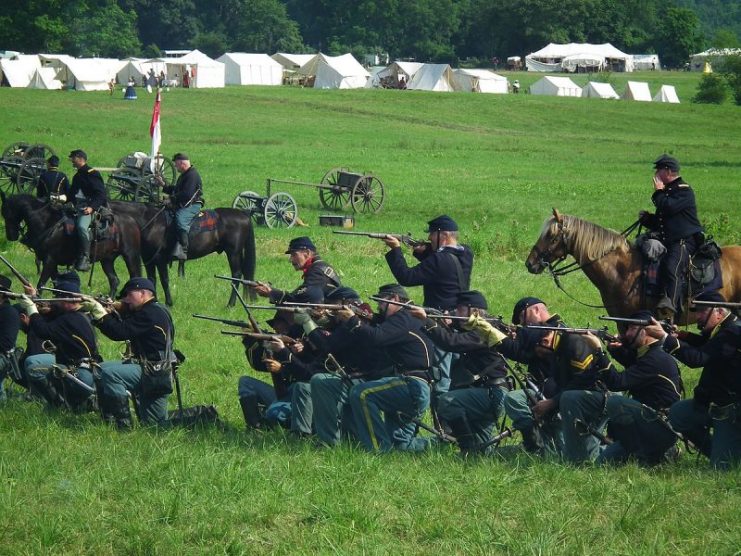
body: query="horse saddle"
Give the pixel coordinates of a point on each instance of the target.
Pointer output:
(104, 224)
(206, 221)
(705, 273)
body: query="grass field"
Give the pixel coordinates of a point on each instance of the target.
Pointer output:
(497, 164)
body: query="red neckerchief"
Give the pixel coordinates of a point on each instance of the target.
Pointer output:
(307, 266)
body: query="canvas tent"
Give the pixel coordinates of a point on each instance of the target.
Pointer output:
(555, 86)
(595, 89)
(88, 74)
(335, 72)
(480, 81)
(251, 69)
(203, 72)
(712, 56)
(138, 69)
(292, 61)
(646, 62)
(433, 77)
(17, 71)
(45, 78)
(575, 57)
(667, 93)
(391, 76)
(637, 90)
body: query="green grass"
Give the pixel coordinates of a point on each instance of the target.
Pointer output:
(497, 164)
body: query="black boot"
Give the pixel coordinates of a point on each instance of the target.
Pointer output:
(251, 412)
(43, 388)
(462, 432)
(83, 259)
(532, 441)
(180, 252)
(104, 405)
(119, 408)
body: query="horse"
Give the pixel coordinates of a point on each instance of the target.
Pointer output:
(233, 234)
(612, 264)
(53, 247)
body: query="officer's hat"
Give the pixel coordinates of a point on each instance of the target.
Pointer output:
(137, 284)
(389, 290)
(69, 276)
(298, 243)
(53, 161)
(78, 153)
(72, 287)
(643, 314)
(521, 305)
(667, 162)
(180, 156)
(5, 283)
(473, 299)
(342, 293)
(442, 223)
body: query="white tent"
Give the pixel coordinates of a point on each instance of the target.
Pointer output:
(45, 78)
(595, 89)
(637, 90)
(292, 61)
(88, 74)
(17, 71)
(391, 75)
(480, 81)
(335, 72)
(574, 56)
(642, 62)
(251, 69)
(203, 72)
(667, 93)
(713, 56)
(433, 77)
(138, 69)
(555, 86)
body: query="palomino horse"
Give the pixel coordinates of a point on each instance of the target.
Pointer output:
(612, 264)
(234, 235)
(53, 247)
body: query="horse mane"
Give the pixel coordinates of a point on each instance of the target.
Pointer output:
(588, 241)
(30, 205)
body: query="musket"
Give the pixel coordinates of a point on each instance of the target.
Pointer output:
(328, 307)
(253, 323)
(723, 304)
(406, 239)
(441, 434)
(13, 295)
(102, 299)
(665, 324)
(496, 440)
(249, 283)
(601, 333)
(15, 271)
(495, 321)
(261, 336)
(239, 323)
(584, 429)
(410, 304)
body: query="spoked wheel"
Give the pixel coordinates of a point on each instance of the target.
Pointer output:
(338, 196)
(250, 202)
(29, 174)
(367, 194)
(39, 150)
(9, 169)
(146, 194)
(280, 211)
(123, 183)
(164, 168)
(15, 149)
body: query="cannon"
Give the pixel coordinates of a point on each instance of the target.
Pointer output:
(21, 165)
(135, 178)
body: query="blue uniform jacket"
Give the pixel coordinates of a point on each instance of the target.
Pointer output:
(90, 182)
(676, 212)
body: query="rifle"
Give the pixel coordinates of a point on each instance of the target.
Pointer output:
(263, 337)
(665, 324)
(329, 307)
(248, 283)
(496, 440)
(253, 323)
(102, 299)
(494, 321)
(238, 323)
(429, 310)
(406, 239)
(723, 304)
(601, 333)
(13, 295)
(439, 433)
(15, 271)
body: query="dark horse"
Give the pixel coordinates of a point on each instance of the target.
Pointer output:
(53, 247)
(612, 264)
(233, 235)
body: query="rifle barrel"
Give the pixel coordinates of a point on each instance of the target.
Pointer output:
(15, 271)
(250, 283)
(723, 304)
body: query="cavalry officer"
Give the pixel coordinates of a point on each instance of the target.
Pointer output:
(444, 270)
(10, 323)
(148, 374)
(716, 405)
(651, 377)
(401, 398)
(72, 334)
(187, 199)
(53, 182)
(315, 273)
(89, 194)
(678, 227)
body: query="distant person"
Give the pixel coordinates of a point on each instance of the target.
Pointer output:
(111, 86)
(187, 199)
(516, 86)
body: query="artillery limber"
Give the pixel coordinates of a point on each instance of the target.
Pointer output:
(138, 178)
(21, 165)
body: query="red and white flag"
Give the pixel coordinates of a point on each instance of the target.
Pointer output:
(155, 133)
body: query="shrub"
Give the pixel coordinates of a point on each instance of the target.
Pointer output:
(711, 90)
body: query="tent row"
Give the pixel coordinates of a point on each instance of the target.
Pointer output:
(634, 90)
(586, 58)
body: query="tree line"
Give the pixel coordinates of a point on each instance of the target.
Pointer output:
(453, 31)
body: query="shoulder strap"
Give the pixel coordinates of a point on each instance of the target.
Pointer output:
(463, 285)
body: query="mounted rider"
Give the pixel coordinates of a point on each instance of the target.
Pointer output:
(52, 182)
(186, 198)
(88, 194)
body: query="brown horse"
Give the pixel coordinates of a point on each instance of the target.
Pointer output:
(612, 264)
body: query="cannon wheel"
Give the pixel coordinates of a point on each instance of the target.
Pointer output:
(123, 182)
(367, 194)
(29, 174)
(10, 164)
(38, 150)
(280, 211)
(165, 168)
(337, 197)
(143, 193)
(249, 201)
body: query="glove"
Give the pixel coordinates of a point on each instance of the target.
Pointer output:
(96, 310)
(485, 330)
(27, 304)
(304, 319)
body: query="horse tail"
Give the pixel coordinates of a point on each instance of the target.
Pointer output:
(249, 256)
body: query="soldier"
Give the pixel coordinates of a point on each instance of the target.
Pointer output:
(87, 184)
(315, 272)
(443, 272)
(638, 423)
(186, 198)
(76, 351)
(716, 404)
(679, 229)
(401, 398)
(10, 323)
(148, 326)
(53, 182)
(479, 377)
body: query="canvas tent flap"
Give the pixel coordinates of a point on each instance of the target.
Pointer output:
(595, 89)
(45, 78)
(18, 71)
(336, 72)
(251, 69)
(480, 81)
(433, 77)
(637, 90)
(292, 61)
(555, 86)
(667, 93)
